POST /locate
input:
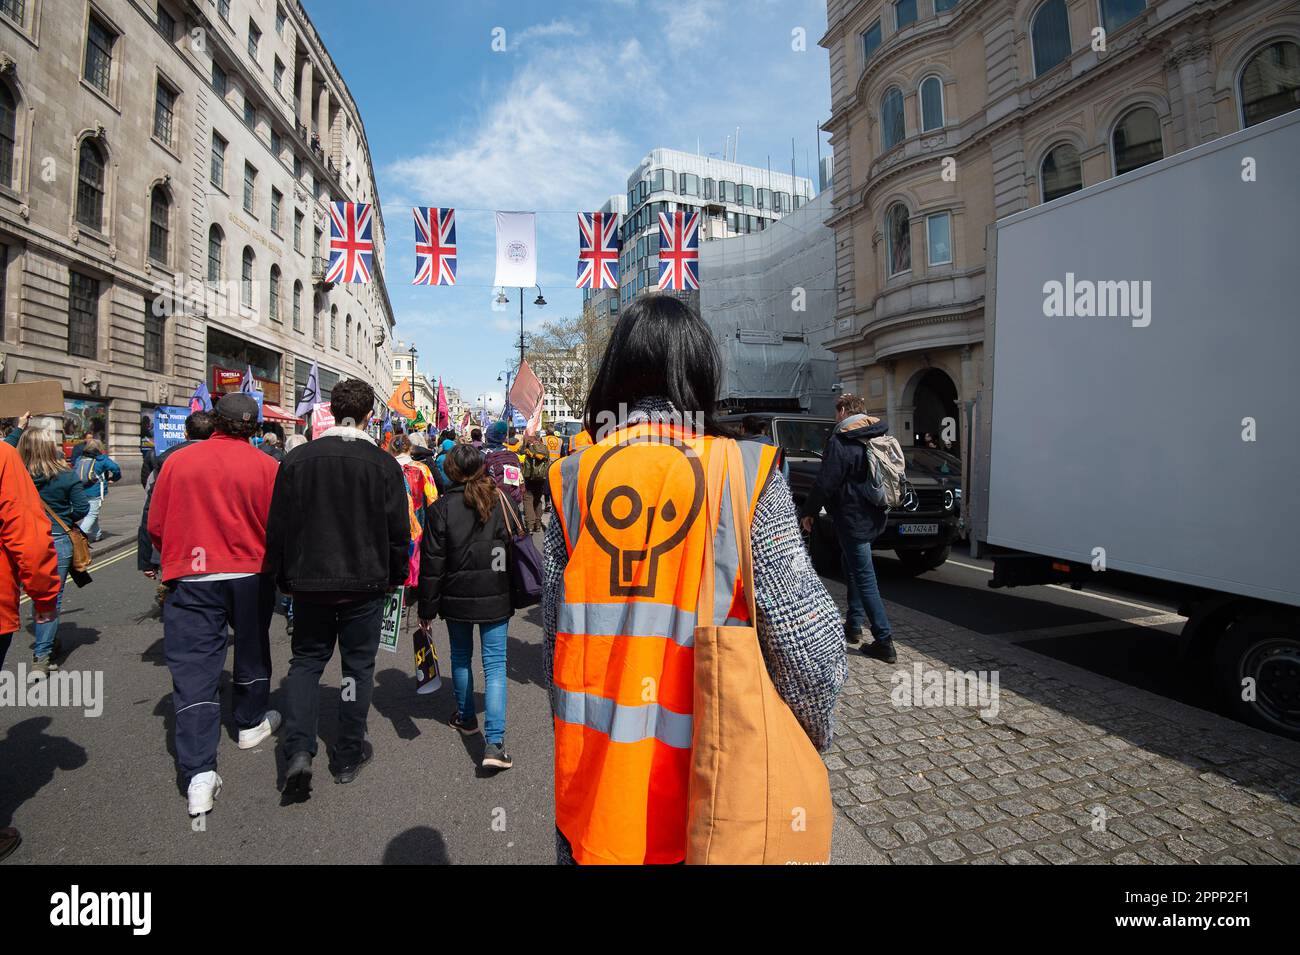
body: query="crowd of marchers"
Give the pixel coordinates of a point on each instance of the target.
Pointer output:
(637, 554)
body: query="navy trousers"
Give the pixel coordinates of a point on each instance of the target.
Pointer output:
(195, 621)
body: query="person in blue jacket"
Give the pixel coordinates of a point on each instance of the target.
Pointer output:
(96, 471)
(843, 486)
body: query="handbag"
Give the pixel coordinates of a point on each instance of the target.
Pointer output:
(523, 563)
(428, 677)
(80, 546)
(759, 793)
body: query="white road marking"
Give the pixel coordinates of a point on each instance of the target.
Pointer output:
(1098, 626)
(1080, 593)
(103, 563)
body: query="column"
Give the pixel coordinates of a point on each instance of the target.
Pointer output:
(304, 95)
(323, 120)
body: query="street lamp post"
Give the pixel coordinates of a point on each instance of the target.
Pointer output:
(539, 302)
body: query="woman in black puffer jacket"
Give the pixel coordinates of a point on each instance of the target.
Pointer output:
(463, 579)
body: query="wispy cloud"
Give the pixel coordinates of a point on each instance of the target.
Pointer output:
(545, 31)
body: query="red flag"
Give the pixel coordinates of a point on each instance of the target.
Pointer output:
(443, 417)
(526, 391)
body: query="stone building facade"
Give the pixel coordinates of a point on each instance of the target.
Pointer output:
(946, 116)
(165, 174)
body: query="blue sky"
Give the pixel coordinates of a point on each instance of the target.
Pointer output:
(554, 124)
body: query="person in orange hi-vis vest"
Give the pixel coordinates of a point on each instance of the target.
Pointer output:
(624, 563)
(580, 440)
(554, 446)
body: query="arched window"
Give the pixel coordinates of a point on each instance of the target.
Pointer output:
(1116, 13)
(297, 306)
(891, 118)
(8, 135)
(275, 293)
(246, 279)
(1062, 173)
(216, 242)
(1137, 140)
(347, 335)
(931, 103)
(1269, 85)
(334, 327)
(315, 317)
(1050, 36)
(160, 213)
(90, 186)
(898, 227)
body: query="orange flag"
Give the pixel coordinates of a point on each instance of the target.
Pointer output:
(403, 400)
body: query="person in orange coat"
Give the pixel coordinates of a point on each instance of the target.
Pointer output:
(28, 559)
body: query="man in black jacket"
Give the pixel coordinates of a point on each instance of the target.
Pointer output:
(338, 539)
(843, 487)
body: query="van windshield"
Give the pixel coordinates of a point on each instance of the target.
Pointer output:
(802, 439)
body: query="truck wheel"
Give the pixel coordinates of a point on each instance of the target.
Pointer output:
(1259, 656)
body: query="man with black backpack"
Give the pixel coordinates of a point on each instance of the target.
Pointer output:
(857, 507)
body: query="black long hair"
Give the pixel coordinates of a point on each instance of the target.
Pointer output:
(659, 347)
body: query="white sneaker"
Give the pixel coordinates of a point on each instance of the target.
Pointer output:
(204, 788)
(251, 737)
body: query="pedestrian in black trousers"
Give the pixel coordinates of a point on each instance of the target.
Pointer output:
(338, 539)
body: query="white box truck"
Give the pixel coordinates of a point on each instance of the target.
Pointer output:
(1138, 420)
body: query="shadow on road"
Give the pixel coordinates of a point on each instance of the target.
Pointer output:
(419, 845)
(27, 745)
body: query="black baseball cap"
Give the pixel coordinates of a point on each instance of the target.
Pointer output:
(237, 406)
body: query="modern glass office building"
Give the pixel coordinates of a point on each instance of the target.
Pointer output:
(733, 199)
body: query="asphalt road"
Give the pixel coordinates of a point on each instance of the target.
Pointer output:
(104, 789)
(1112, 632)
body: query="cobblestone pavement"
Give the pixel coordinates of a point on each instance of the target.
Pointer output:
(1073, 768)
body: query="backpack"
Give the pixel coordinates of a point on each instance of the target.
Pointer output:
(86, 473)
(887, 484)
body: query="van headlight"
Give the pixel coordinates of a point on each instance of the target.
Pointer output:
(948, 499)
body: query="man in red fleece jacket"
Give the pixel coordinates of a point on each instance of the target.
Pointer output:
(207, 520)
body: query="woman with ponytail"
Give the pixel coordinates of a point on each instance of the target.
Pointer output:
(464, 580)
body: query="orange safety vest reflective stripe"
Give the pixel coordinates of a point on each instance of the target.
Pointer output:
(553, 446)
(580, 440)
(632, 510)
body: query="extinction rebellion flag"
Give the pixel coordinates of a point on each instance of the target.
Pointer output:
(352, 246)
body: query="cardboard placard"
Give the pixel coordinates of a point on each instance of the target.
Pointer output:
(38, 397)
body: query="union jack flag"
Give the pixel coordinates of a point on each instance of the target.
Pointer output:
(598, 247)
(435, 246)
(352, 246)
(679, 251)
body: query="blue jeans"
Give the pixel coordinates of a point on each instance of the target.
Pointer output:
(493, 636)
(46, 632)
(90, 523)
(864, 594)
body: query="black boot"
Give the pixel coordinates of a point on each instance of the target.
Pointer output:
(882, 650)
(297, 779)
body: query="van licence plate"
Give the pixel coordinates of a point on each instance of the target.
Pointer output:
(918, 530)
